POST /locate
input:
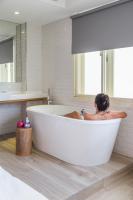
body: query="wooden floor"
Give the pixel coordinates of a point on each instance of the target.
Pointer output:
(58, 180)
(121, 190)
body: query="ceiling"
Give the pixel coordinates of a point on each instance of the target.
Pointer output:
(45, 11)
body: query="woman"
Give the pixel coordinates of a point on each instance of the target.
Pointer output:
(102, 113)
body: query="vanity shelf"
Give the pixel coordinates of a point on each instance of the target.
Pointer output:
(44, 99)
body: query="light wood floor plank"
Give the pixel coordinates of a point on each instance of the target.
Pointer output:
(58, 180)
(121, 190)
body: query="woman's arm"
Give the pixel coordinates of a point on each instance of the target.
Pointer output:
(118, 115)
(108, 115)
(74, 115)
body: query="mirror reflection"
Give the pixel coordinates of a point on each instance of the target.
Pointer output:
(12, 46)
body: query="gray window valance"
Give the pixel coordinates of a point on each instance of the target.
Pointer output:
(6, 51)
(106, 28)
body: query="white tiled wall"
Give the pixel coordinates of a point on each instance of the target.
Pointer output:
(58, 75)
(9, 114)
(34, 57)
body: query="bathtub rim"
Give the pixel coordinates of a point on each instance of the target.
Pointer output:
(29, 109)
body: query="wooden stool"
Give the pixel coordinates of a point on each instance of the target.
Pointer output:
(23, 141)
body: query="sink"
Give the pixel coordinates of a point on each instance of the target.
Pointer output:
(6, 96)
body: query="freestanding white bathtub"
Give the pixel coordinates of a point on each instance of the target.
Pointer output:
(79, 142)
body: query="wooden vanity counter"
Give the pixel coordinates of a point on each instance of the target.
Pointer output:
(44, 99)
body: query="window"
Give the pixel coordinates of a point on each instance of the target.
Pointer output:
(109, 71)
(92, 69)
(7, 72)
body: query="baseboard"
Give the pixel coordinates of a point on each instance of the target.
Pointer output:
(7, 136)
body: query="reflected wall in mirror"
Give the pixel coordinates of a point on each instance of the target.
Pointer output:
(12, 52)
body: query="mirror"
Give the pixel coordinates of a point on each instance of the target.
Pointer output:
(12, 51)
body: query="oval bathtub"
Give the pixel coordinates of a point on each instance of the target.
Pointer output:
(79, 142)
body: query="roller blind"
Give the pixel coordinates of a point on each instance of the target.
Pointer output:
(106, 28)
(6, 51)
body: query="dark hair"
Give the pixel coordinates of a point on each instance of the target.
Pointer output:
(102, 102)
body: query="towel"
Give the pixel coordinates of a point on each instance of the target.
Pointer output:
(12, 188)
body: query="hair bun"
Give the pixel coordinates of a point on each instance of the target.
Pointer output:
(102, 102)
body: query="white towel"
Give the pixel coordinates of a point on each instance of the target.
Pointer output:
(12, 188)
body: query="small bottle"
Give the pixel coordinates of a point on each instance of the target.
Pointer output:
(82, 111)
(27, 123)
(82, 114)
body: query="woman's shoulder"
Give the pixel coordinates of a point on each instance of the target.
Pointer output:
(117, 114)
